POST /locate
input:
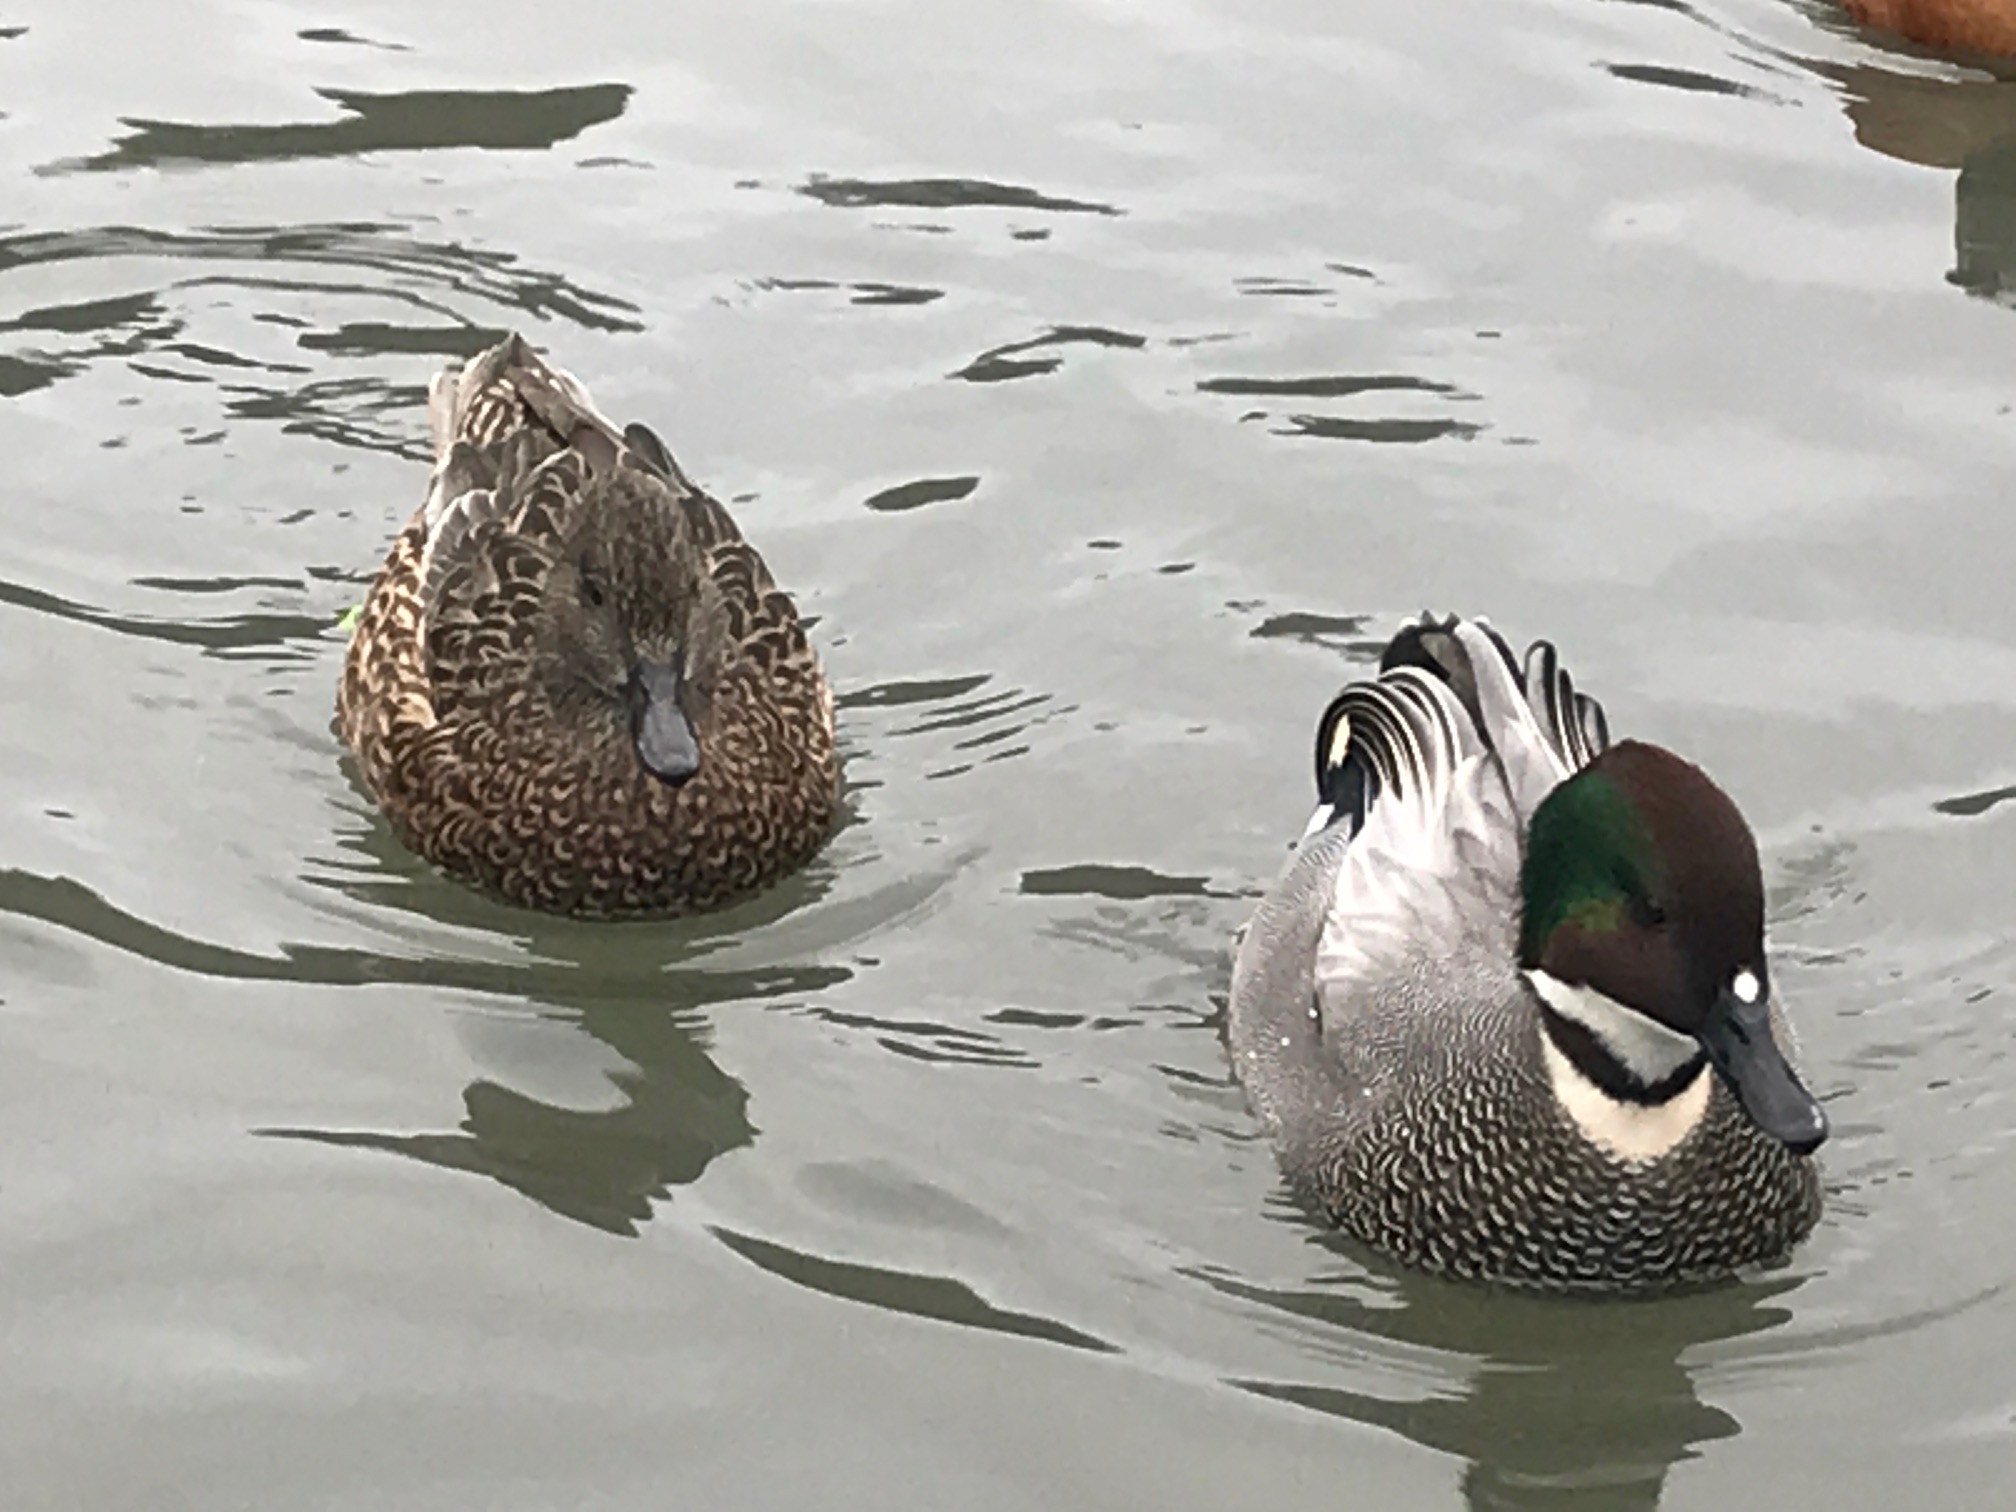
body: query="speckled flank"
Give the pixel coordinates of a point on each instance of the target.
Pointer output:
(1465, 1163)
(477, 695)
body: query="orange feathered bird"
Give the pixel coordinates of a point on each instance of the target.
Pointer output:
(1980, 25)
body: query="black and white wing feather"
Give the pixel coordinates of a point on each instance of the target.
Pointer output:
(1434, 768)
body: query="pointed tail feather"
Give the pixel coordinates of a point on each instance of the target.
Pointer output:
(1448, 689)
(510, 387)
(1573, 721)
(1399, 737)
(502, 390)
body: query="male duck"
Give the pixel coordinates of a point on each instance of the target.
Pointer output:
(1507, 1013)
(574, 683)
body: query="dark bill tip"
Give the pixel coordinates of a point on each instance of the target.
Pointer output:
(1738, 1040)
(664, 735)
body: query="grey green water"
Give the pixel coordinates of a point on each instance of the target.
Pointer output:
(1106, 378)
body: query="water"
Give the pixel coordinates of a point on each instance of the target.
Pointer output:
(1106, 379)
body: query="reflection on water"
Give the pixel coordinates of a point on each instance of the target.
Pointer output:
(678, 1109)
(342, 38)
(1334, 632)
(607, 1167)
(1949, 121)
(1098, 879)
(398, 261)
(1984, 230)
(919, 492)
(264, 637)
(1044, 463)
(499, 119)
(1967, 805)
(1685, 79)
(1570, 1405)
(1001, 363)
(945, 194)
(861, 292)
(272, 366)
(908, 1292)
(993, 726)
(1391, 429)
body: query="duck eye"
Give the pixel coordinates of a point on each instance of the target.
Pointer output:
(1647, 913)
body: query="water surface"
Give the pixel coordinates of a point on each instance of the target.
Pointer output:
(1107, 380)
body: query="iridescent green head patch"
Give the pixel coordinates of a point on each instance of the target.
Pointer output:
(1589, 855)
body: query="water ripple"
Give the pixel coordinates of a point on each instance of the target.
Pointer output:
(1968, 805)
(1125, 884)
(867, 292)
(417, 121)
(940, 1298)
(944, 194)
(264, 637)
(148, 328)
(1333, 632)
(1686, 79)
(1001, 363)
(1397, 432)
(604, 1167)
(922, 491)
(335, 34)
(68, 904)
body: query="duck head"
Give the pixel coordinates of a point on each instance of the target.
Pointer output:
(617, 667)
(1643, 932)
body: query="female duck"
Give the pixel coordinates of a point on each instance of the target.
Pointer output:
(574, 683)
(1507, 1012)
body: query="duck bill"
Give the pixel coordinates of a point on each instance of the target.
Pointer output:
(1739, 1042)
(664, 735)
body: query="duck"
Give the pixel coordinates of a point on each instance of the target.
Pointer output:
(1506, 1014)
(1987, 26)
(574, 684)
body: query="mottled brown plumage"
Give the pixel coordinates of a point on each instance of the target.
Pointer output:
(565, 607)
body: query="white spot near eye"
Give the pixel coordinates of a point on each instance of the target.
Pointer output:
(1744, 986)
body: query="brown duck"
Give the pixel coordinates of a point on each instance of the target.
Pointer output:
(574, 684)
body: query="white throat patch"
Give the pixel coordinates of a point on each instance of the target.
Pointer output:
(1648, 1049)
(1626, 1130)
(1640, 1044)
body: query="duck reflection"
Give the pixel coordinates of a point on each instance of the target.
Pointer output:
(677, 1111)
(1953, 121)
(1571, 1405)
(638, 990)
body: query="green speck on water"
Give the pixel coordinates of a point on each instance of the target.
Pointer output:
(348, 624)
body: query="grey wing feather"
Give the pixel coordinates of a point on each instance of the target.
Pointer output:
(1540, 728)
(1435, 768)
(1406, 882)
(1433, 864)
(1572, 721)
